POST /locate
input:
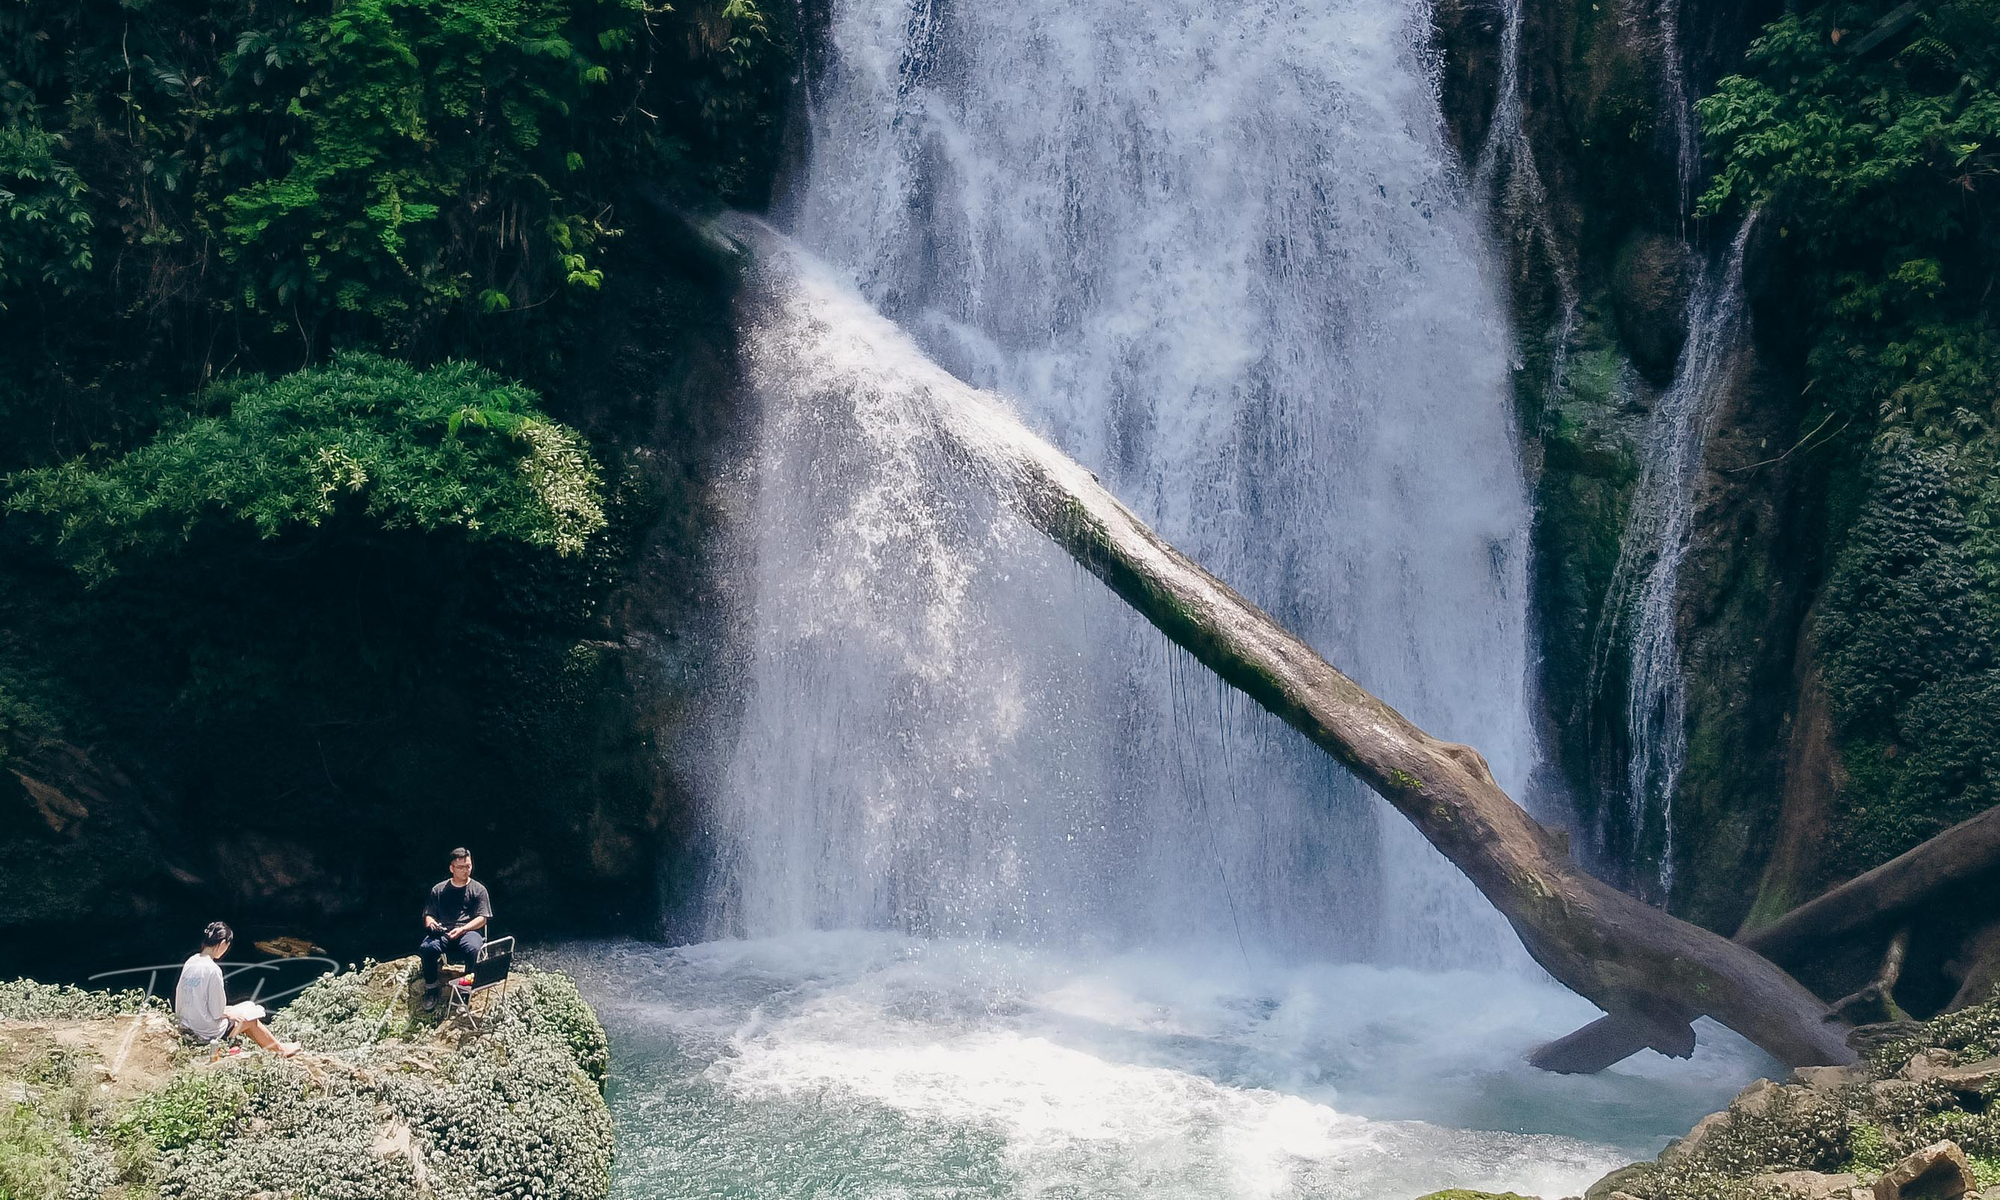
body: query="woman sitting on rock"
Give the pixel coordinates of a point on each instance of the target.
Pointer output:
(202, 1006)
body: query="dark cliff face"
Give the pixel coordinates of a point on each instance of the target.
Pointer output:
(1600, 266)
(550, 746)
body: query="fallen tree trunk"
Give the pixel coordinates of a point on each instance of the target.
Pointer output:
(1613, 1038)
(1626, 956)
(1959, 856)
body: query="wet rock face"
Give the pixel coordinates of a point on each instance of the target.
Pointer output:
(1743, 596)
(1601, 296)
(1468, 36)
(1650, 277)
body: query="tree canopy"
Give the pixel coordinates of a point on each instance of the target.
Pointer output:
(454, 447)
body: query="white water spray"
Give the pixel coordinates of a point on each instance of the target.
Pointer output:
(1220, 254)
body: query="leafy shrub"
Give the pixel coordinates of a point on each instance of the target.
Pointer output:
(27, 1000)
(513, 1111)
(1879, 173)
(550, 1004)
(195, 1109)
(44, 223)
(453, 447)
(433, 155)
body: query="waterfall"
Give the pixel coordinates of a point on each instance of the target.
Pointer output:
(1010, 897)
(1222, 256)
(1677, 97)
(1646, 582)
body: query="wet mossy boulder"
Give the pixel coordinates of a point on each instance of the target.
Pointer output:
(1650, 278)
(100, 1098)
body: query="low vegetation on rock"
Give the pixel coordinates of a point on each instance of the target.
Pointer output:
(1916, 1117)
(100, 1098)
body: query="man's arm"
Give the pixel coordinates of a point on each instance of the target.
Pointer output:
(430, 917)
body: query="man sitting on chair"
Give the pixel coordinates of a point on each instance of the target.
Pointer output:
(457, 911)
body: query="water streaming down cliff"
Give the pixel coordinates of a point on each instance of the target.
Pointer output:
(1222, 256)
(1508, 182)
(1644, 598)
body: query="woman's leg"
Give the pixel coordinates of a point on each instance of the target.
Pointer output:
(269, 1041)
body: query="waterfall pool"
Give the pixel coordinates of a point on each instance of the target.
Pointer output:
(866, 1065)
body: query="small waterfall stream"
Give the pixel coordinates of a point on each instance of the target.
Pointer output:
(1643, 604)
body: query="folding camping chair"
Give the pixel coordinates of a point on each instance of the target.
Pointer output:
(490, 970)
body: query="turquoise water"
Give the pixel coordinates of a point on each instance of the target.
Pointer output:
(879, 1066)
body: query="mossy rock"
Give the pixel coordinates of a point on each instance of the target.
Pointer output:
(1857, 1121)
(386, 1101)
(1650, 278)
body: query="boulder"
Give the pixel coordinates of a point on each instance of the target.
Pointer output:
(1806, 1185)
(1936, 1172)
(1612, 1186)
(1682, 1147)
(1755, 1100)
(1650, 278)
(1972, 1078)
(1828, 1079)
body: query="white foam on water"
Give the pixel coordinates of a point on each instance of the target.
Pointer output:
(1005, 1071)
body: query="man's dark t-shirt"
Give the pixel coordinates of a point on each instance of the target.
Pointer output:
(452, 906)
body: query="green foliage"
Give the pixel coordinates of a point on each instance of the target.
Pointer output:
(44, 224)
(189, 189)
(33, 1162)
(1880, 173)
(27, 1000)
(437, 158)
(1909, 637)
(194, 1109)
(551, 1005)
(453, 447)
(1904, 598)
(517, 1101)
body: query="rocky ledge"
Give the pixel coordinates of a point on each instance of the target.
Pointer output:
(1917, 1119)
(100, 1098)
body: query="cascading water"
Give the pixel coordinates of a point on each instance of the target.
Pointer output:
(1222, 255)
(1030, 904)
(1646, 582)
(1678, 100)
(1508, 181)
